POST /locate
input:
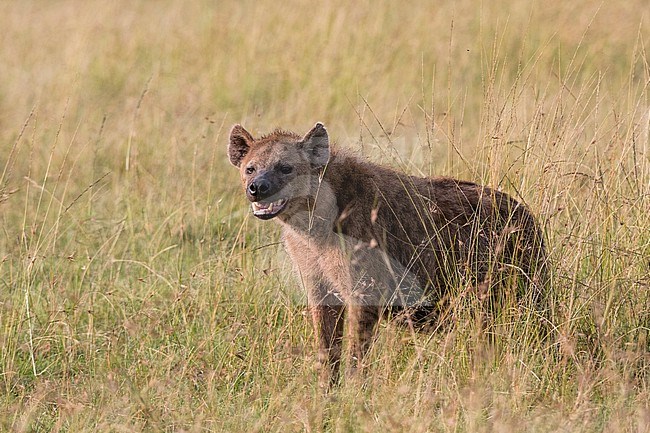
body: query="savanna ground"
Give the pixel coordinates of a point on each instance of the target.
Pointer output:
(138, 294)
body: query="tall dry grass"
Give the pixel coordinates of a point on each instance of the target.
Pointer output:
(137, 295)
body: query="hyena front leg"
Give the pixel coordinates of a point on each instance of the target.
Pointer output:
(370, 281)
(362, 322)
(327, 314)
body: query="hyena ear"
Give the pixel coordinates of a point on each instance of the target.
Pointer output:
(316, 144)
(240, 143)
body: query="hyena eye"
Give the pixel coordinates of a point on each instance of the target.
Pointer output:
(250, 170)
(286, 169)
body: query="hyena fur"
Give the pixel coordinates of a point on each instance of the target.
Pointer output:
(368, 241)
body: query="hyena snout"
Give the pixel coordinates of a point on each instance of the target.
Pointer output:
(264, 187)
(259, 189)
(264, 194)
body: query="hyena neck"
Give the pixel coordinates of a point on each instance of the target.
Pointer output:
(314, 215)
(344, 185)
(335, 190)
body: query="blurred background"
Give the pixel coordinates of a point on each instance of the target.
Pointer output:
(136, 293)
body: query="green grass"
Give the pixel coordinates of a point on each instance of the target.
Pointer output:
(137, 294)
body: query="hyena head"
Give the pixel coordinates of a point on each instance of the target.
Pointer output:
(279, 171)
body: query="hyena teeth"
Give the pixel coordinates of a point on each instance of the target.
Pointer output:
(268, 208)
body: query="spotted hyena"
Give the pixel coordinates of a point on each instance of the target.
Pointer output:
(368, 241)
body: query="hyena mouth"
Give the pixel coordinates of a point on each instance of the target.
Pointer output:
(267, 211)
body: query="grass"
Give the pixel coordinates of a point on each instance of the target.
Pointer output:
(137, 294)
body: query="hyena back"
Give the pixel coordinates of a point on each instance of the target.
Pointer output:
(367, 240)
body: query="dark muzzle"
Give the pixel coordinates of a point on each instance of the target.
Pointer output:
(259, 189)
